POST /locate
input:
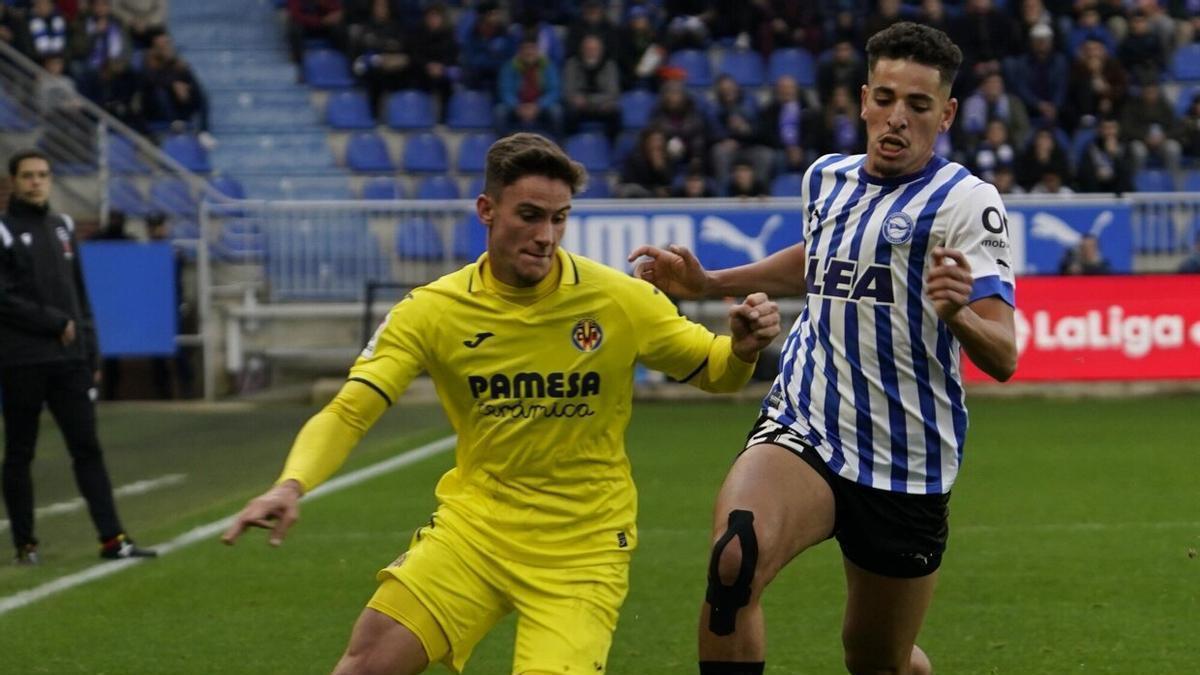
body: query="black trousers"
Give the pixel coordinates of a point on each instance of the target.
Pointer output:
(64, 389)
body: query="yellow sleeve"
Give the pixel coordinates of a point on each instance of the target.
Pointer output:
(399, 350)
(327, 438)
(681, 348)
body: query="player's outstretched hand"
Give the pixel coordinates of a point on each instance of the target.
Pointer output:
(949, 282)
(674, 270)
(276, 510)
(754, 324)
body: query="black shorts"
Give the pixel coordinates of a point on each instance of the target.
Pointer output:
(893, 534)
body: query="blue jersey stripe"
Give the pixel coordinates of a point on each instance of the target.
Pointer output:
(916, 316)
(986, 287)
(864, 425)
(947, 346)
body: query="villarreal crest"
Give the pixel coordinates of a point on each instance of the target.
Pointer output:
(587, 335)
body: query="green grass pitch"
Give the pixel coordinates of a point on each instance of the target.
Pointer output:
(1070, 534)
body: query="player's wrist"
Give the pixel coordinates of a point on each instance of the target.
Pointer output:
(290, 486)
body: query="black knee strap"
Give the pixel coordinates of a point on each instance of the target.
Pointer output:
(726, 599)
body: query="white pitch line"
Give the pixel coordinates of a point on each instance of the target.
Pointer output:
(140, 487)
(203, 532)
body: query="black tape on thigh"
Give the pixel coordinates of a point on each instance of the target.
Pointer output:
(725, 600)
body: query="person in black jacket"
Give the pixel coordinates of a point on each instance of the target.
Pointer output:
(48, 356)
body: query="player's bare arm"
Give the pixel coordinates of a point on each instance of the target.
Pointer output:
(676, 272)
(753, 324)
(984, 327)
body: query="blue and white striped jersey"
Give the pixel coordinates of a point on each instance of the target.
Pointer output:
(869, 375)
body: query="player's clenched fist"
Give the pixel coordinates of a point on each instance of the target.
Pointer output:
(753, 324)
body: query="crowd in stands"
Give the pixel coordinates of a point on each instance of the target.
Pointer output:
(117, 53)
(1056, 95)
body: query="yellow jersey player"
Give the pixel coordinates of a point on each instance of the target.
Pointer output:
(532, 350)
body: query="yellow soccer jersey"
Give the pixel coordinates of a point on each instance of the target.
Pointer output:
(540, 396)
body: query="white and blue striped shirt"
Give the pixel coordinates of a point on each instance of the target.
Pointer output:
(869, 375)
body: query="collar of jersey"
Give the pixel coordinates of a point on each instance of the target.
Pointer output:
(936, 162)
(569, 276)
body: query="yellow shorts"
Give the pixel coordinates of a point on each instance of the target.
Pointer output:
(452, 592)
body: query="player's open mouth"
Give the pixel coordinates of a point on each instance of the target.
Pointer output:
(891, 146)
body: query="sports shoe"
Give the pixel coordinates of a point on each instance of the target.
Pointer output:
(120, 547)
(27, 556)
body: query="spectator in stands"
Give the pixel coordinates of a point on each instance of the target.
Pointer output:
(992, 102)
(313, 19)
(142, 18)
(529, 93)
(98, 37)
(487, 47)
(592, 88)
(782, 127)
(1150, 127)
(532, 25)
(171, 95)
(1189, 136)
(1038, 76)
(1043, 155)
(159, 230)
(380, 56)
(68, 130)
(842, 130)
(554, 12)
(1142, 52)
(733, 123)
(117, 89)
(1106, 162)
(593, 20)
(1084, 259)
(640, 53)
(1051, 183)
(744, 183)
(48, 31)
(1030, 15)
(15, 30)
(680, 120)
(789, 23)
(993, 152)
(933, 14)
(1005, 181)
(434, 51)
(1191, 264)
(647, 171)
(987, 36)
(695, 185)
(1089, 26)
(843, 68)
(688, 23)
(1186, 14)
(1097, 86)
(887, 12)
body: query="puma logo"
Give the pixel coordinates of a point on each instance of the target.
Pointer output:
(722, 231)
(479, 338)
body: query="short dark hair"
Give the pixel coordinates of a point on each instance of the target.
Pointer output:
(924, 44)
(14, 162)
(524, 154)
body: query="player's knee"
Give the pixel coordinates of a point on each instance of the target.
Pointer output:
(732, 572)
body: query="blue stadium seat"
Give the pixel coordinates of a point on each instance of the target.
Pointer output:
(185, 149)
(1185, 65)
(13, 117)
(228, 186)
(366, 151)
(795, 62)
(626, 142)
(744, 66)
(123, 156)
(124, 195)
(1153, 180)
(437, 187)
(418, 240)
(425, 152)
(381, 187)
(174, 197)
(327, 69)
(1191, 182)
(475, 187)
(597, 187)
(636, 106)
(472, 151)
(787, 185)
(409, 109)
(591, 150)
(349, 110)
(1184, 100)
(469, 109)
(695, 63)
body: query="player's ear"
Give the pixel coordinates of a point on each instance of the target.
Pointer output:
(862, 102)
(485, 209)
(948, 114)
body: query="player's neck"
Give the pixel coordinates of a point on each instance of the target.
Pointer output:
(932, 163)
(523, 295)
